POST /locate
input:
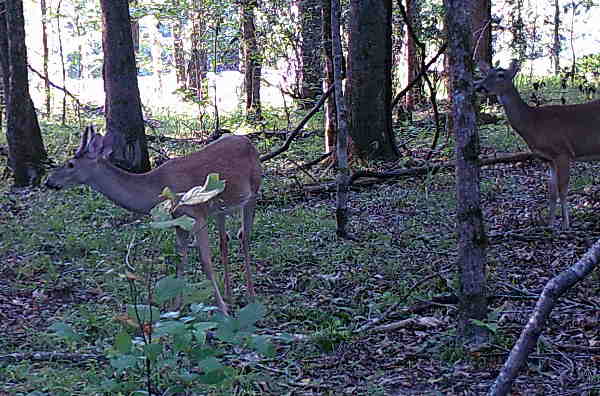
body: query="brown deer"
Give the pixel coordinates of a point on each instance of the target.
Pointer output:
(558, 133)
(234, 158)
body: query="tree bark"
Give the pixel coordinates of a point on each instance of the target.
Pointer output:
(310, 35)
(330, 113)
(343, 170)
(25, 145)
(370, 79)
(62, 61)
(471, 234)
(252, 61)
(124, 119)
(178, 51)
(555, 288)
(481, 20)
(415, 94)
(44, 11)
(556, 39)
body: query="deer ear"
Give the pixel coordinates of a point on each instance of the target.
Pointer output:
(107, 145)
(95, 145)
(85, 138)
(484, 66)
(513, 68)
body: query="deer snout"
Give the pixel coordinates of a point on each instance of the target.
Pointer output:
(479, 87)
(51, 185)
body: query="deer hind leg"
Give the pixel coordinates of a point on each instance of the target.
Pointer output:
(224, 250)
(244, 236)
(562, 177)
(183, 240)
(201, 231)
(553, 193)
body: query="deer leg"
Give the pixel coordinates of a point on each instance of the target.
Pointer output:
(224, 250)
(244, 236)
(562, 177)
(183, 240)
(201, 231)
(553, 192)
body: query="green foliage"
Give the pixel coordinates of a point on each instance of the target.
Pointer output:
(172, 350)
(588, 63)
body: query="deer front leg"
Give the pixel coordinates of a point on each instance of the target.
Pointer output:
(244, 236)
(183, 240)
(559, 187)
(563, 174)
(224, 250)
(201, 231)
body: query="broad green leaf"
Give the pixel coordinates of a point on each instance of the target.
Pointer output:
(123, 343)
(251, 314)
(168, 288)
(124, 362)
(200, 194)
(152, 351)
(170, 327)
(144, 312)
(65, 331)
(263, 346)
(210, 364)
(184, 222)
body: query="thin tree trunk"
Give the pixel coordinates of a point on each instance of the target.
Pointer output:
(556, 37)
(328, 80)
(62, 62)
(252, 61)
(44, 10)
(310, 32)
(343, 170)
(470, 227)
(178, 51)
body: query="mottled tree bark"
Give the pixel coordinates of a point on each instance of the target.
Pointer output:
(415, 94)
(124, 119)
(330, 109)
(556, 39)
(26, 150)
(44, 11)
(178, 51)
(310, 34)
(481, 20)
(252, 61)
(370, 79)
(343, 170)
(471, 234)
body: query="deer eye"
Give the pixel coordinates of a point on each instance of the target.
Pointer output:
(70, 165)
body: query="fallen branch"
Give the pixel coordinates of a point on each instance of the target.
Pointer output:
(51, 357)
(298, 129)
(373, 177)
(65, 90)
(555, 288)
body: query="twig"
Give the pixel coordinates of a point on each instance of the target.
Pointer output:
(298, 129)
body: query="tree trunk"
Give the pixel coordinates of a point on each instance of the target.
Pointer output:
(25, 145)
(198, 65)
(370, 79)
(481, 20)
(470, 227)
(178, 51)
(252, 61)
(343, 171)
(311, 71)
(328, 80)
(415, 94)
(556, 44)
(62, 62)
(45, 55)
(124, 119)
(4, 68)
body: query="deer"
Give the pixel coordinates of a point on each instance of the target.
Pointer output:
(559, 134)
(233, 157)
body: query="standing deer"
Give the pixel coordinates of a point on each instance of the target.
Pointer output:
(234, 158)
(558, 134)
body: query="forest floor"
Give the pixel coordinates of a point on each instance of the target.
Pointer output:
(346, 302)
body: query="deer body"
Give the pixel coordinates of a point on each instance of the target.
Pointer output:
(234, 158)
(559, 134)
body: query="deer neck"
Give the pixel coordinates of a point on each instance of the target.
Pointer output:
(135, 192)
(518, 112)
